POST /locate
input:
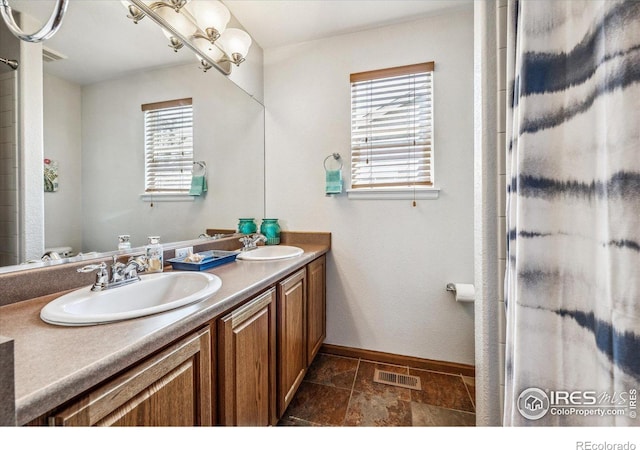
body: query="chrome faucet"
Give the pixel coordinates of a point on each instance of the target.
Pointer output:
(50, 256)
(215, 236)
(251, 242)
(127, 272)
(121, 273)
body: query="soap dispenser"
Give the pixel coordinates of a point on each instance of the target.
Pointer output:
(124, 242)
(154, 254)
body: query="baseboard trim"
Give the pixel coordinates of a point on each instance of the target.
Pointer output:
(400, 360)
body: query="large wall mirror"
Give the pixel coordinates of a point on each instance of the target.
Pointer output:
(97, 72)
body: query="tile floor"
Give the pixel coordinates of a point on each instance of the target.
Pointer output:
(339, 391)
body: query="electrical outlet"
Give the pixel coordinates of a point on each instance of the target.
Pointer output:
(183, 252)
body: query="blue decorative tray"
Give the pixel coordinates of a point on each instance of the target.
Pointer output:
(212, 258)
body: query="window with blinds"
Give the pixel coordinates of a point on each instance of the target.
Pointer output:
(168, 146)
(392, 127)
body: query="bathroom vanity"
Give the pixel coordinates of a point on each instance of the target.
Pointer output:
(235, 358)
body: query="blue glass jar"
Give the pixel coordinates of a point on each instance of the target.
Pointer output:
(271, 229)
(247, 226)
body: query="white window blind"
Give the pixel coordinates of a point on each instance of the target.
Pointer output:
(392, 127)
(168, 146)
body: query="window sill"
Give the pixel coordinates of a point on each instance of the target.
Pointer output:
(167, 197)
(393, 194)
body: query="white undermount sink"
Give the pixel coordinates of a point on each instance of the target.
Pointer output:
(270, 252)
(154, 293)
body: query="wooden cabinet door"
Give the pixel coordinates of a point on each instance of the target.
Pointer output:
(170, 388)
(246, 361)
(316, 307)
(292, 331)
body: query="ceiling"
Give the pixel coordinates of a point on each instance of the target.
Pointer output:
(99, 42)
(274, 23)
(96, 36)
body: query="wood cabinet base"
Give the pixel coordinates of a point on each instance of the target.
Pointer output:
(171, 388)
(246, 358)
(292, 335)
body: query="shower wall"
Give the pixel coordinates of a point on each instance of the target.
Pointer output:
(490, 93)
(501, 190)
(8, 168)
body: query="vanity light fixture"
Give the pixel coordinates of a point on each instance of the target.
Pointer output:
(200, 25)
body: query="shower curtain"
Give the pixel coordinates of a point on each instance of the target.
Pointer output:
(572, 284)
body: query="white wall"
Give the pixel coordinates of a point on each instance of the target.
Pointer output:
(389, 262)
(228, 136)
(62, 137)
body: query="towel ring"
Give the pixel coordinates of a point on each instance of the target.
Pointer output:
(335, 156)
(47, 30)
(202, 164)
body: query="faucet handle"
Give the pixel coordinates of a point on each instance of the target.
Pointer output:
(140, 262)
(251, 242)
(50, 256)
(91, 267)
(102, 276)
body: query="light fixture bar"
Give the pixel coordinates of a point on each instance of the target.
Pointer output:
(224, 66)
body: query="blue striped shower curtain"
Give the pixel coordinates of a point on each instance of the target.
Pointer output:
(572, 285)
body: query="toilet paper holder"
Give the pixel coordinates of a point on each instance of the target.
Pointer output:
(463, 292)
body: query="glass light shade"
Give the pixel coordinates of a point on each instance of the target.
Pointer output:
(234, 40)
(177, 20)
(208, 49)
(209, 14)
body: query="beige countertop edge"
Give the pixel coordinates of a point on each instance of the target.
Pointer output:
(37, 394)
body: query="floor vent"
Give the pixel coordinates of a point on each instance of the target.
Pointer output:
(396, 379)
